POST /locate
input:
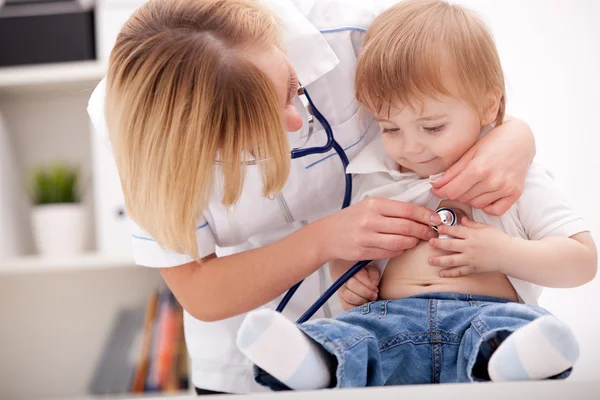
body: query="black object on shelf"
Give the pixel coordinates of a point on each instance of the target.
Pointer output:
(45, 31)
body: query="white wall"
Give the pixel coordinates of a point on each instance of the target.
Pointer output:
(550, 50)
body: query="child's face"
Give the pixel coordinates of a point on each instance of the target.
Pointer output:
(429, 140)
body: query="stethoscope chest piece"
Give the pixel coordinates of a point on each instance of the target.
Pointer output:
(449, 217)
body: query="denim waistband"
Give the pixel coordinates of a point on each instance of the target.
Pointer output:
(459, 297)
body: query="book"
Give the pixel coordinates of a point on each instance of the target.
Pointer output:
(141, 370)
(153, 375)
(167, 344)
(115, 370)
(173, 380)
(145, 350)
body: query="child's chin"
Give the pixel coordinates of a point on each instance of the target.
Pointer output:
(422, 172)
(427, 173)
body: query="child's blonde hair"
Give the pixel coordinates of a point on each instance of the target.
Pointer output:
(411, 48)
(180, 96)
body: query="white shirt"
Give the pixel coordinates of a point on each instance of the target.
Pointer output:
(323, 38)
(541, 211)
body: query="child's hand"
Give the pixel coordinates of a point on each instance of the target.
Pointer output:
(477, 248)
(361, 288)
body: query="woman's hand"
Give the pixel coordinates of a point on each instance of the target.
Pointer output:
(375, 228)
(361, 288)
(491, 175)
(476, 248)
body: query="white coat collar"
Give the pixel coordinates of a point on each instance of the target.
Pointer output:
(372, 159)
(309, 52)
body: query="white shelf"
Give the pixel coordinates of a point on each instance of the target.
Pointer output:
(71, 75)
(87, 261)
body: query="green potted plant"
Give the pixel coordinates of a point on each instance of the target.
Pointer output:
(59, 220)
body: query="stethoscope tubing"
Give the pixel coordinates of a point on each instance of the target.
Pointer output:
(297, 153)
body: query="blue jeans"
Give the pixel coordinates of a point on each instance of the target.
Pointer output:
(430, 338)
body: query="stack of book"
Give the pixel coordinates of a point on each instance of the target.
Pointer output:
(145, 351)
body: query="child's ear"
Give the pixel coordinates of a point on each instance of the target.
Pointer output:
(492, 106)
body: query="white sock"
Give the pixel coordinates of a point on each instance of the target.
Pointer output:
(543, 348)
(276, 345)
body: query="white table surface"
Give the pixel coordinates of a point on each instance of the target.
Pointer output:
(477, 391)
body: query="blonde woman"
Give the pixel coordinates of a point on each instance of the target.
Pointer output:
(200, 105)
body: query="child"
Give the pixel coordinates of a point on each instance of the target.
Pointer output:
(452, 310)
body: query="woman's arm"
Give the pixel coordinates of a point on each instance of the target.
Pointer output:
(491, 175)
(219, 288)
(338, 267)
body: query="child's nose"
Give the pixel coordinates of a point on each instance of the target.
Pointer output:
(412, 146)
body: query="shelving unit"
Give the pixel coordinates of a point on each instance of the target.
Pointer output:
(51, 76)
(32, 264)
(57, 313)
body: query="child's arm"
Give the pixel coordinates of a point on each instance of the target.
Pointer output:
(558, 262)
(359, 289)
(558, 251)
(552, 261)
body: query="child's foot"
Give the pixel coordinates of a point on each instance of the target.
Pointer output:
(543, 348)
(276, 345)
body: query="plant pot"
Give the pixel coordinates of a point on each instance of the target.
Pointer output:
(60, 229)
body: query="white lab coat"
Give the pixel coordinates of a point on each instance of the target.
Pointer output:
(323, 38)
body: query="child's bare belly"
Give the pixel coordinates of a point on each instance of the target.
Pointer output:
(411, 274)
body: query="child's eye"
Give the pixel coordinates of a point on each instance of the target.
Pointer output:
(391, 130)
(434, 129)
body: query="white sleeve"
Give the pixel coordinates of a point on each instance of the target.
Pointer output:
(95, 110)
(544, 210)
(148, 253)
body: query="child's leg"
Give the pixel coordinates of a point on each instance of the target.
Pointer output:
(541, 349)
(275, 344)
(513, 341)
(341, 352)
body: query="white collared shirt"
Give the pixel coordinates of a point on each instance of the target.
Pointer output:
(323, 38)
(541, 211)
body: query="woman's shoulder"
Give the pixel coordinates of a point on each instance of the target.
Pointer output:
(342, 15)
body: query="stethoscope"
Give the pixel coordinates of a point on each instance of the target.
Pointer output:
(448, 216)
(314, 113)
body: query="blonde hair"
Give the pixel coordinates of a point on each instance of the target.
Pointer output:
(411, 47)
(180, 95)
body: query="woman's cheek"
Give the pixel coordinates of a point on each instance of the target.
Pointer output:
(292, 119)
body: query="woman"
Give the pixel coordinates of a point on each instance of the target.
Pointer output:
(197, 91)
